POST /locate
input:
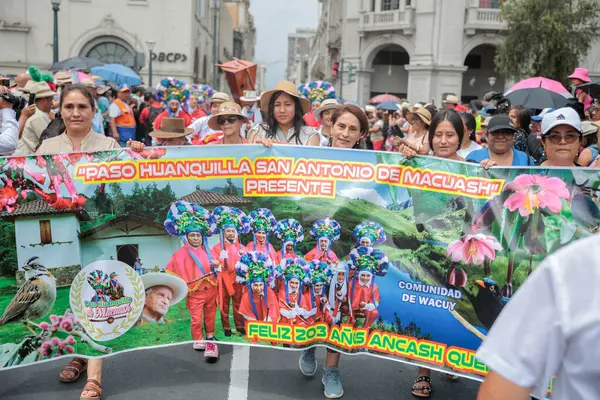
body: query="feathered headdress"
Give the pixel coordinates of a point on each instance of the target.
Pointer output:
(368, 259)
(289, 230)
(371, 230)
(296, 268)
(37, 76)
(98, 280)
(320, 272)
(203, 92)
(172, 89)
(326, 228)
(254, 266)
(262, 220)
(230, 217)
(317, 91)
(184, 217)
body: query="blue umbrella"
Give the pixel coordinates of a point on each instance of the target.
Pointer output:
(118, 74)
(388, 105)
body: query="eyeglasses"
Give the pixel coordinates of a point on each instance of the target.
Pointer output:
(557, 138)
(231, 119)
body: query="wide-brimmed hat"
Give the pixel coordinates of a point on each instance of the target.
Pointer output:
(41, 90)
(290, 89)
(88, 83)
(250, 96)
(589, 128)
(226, 109)
(62, 78)
(103, 89)
(219, 97)
(171, 128)
(329, 104)
(581, 74)
(451, 99)
(421, 113)
(175, 283)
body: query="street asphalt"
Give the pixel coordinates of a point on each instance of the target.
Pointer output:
(178, 372)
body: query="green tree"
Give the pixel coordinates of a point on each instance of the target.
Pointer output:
(8, 248)
(118, 198)
(546, 37)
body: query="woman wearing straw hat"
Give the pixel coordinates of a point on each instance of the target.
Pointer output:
(284, 123)
(172, 132)
(324, 113)
(229, 120)
(420, 119)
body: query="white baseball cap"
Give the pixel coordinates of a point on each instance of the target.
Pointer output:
(561, 116)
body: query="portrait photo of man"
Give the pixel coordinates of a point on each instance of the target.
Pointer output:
(162, 291)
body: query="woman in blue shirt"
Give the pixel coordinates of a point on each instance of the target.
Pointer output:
(500, 151)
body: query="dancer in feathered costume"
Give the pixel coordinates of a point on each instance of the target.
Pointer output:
(231, 222)
(366, 262)
(324, 231)
(368, 234)
(289, 232)
(263, 223)
(259, 302)
(199, 94)
(295, 274)
(173, 93)
(316, 92)
(314, 300)
(195, 265)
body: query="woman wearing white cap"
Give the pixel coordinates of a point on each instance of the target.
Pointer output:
(561, 137)
(324, 113)
(285, 122)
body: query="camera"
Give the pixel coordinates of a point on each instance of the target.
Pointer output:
(498, 100)
(18, 103)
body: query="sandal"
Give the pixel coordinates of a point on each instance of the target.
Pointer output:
(92, 385)
(77, 366)
(426, 391)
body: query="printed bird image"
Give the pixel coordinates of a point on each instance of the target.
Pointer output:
(489, 302)
(35, 298)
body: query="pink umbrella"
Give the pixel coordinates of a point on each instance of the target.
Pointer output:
(539, 82)
(383, 98)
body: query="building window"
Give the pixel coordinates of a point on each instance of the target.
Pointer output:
(112, 53)
(45, 231)
(490, 3)
(388, 5)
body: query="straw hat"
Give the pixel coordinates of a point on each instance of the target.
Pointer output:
(250, 96)
(589, 128)
(103, 89)
(329, 104)
(219, 97)
(171, 128)
(451, 99)
(287, 87)
(62, 78)
(420, 112)
(175, 283)
(41, 90)
(89, 83)
(226, 109)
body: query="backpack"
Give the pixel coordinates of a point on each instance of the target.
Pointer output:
(154, 112)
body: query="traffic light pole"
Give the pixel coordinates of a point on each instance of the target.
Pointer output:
(341, 75)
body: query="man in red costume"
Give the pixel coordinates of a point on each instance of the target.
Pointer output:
(294, 272)
(231, 222)
(262, 222)
(173, 93)
(194, 264)
(325, 232)
(315, 299)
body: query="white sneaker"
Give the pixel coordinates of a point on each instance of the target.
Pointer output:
(199, 346)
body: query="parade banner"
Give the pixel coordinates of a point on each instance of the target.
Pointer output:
(284, 247)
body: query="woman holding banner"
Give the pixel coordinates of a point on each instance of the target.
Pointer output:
(77, 107)
(350, 126)
(445, 138)
(229, 120)
(284, 123)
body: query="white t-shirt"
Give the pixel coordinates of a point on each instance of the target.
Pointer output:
(465, 152)
(200, 127)
(551, 327)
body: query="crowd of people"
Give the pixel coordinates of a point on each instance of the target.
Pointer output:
(88, 116)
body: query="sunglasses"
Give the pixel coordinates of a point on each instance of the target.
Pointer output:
(557, 139)
(231, 119)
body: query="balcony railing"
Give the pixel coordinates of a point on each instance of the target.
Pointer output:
(483, 19)
(388, 21)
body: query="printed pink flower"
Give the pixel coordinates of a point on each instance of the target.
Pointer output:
(456, 277)
(45, 326)
(536, 191)
(473, 249)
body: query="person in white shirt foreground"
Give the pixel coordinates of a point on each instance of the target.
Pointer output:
(551, 327)
(9, 128)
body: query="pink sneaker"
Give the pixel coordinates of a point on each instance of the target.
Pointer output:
(211, 354)
(199, 346)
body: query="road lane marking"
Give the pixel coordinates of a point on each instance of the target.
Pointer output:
(239, 374)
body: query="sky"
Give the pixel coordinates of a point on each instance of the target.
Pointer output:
(274, 19)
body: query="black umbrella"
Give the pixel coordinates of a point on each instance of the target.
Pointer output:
(76, 64)
(592, 88)
(537, 98)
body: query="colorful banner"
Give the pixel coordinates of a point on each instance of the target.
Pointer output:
(288, 247)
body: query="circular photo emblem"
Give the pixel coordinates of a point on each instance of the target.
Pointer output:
(107, 297)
